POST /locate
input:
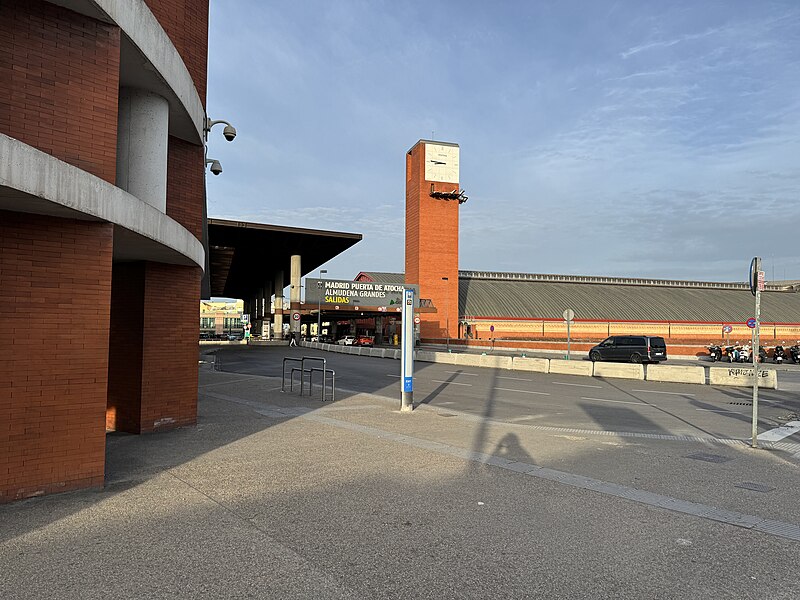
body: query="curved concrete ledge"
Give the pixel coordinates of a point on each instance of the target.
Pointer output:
(35, 182)
(143, 29)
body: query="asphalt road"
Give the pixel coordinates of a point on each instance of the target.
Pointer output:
(553, 400)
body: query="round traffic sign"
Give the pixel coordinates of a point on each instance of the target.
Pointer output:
(569, 314)
(727, 329)
(491, 328)
(416, 320)
(296, 316)
(751, 323)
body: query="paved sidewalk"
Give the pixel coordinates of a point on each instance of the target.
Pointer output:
(271, 496)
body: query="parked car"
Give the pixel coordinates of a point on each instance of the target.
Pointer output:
(347, 340)
(631, 348)
(364, 340)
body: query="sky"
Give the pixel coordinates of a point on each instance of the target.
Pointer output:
(628, 138)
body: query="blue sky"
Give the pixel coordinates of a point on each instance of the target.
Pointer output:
(629, 138)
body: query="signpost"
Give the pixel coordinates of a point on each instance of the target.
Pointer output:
(726, 331)
(407, 353)
(756, 286)
(569, 315)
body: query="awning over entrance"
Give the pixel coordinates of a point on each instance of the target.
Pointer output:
(242, 255)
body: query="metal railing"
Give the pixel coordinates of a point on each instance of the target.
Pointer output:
(303, 370)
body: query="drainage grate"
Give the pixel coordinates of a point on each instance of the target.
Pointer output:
(446, 414)
(712, 458)
(741, 403)
(756, 487)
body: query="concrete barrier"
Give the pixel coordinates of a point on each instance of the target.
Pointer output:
(676, 374)
(618, 370)
(469, 360)
(376, 352)
(742, 376)
(536, 365)
(425, 356)
(570, 367)
(495, 362)
(445, 358)
(389, 353)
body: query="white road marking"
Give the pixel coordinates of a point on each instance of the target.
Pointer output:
(451, 382)
(619, 402)
(514, 378)
(777, 434)
(463, 373)
(522, 391)
(575, 384)
(656, 392)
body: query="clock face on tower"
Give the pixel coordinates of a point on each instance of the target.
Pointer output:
(441, 163)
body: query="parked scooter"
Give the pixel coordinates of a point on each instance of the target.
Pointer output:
(794, 353)
(744, 353)
(779, 355)
(715, 352)
(731, 354)
(762, 354)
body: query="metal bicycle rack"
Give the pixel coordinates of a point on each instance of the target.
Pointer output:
(303, 370)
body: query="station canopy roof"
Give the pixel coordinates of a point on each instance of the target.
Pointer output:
(538, 296)
(243, 256)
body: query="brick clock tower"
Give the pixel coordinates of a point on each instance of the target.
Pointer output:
(432, 201)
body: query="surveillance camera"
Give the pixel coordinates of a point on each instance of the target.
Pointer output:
(229, 132)
(216, 167)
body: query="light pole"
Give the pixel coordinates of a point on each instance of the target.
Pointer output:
(447, 315)
(321, 288)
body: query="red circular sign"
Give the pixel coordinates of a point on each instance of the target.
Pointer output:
(296, 316)
(416, 320)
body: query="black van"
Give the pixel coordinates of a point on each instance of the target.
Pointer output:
(631, 348)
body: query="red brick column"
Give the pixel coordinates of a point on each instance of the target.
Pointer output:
(153, 348)
(431, 246)
(55, 288)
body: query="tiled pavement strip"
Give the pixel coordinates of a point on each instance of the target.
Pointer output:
(768, 526)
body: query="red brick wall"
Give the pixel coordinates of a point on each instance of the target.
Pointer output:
(186, 23)
(431, 246)
(171, 331)
(186, 185)
(60, 83)
(123, 412)
(55, 287)
(153, 357)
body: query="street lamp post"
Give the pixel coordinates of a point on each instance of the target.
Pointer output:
(447, 315)
(321, 287)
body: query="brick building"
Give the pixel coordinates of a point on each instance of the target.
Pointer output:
(102, 201)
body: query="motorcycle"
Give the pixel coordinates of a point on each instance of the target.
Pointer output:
(762, 354)
(715, 352)
(731, 354)
(794, 353)
(778, 355)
